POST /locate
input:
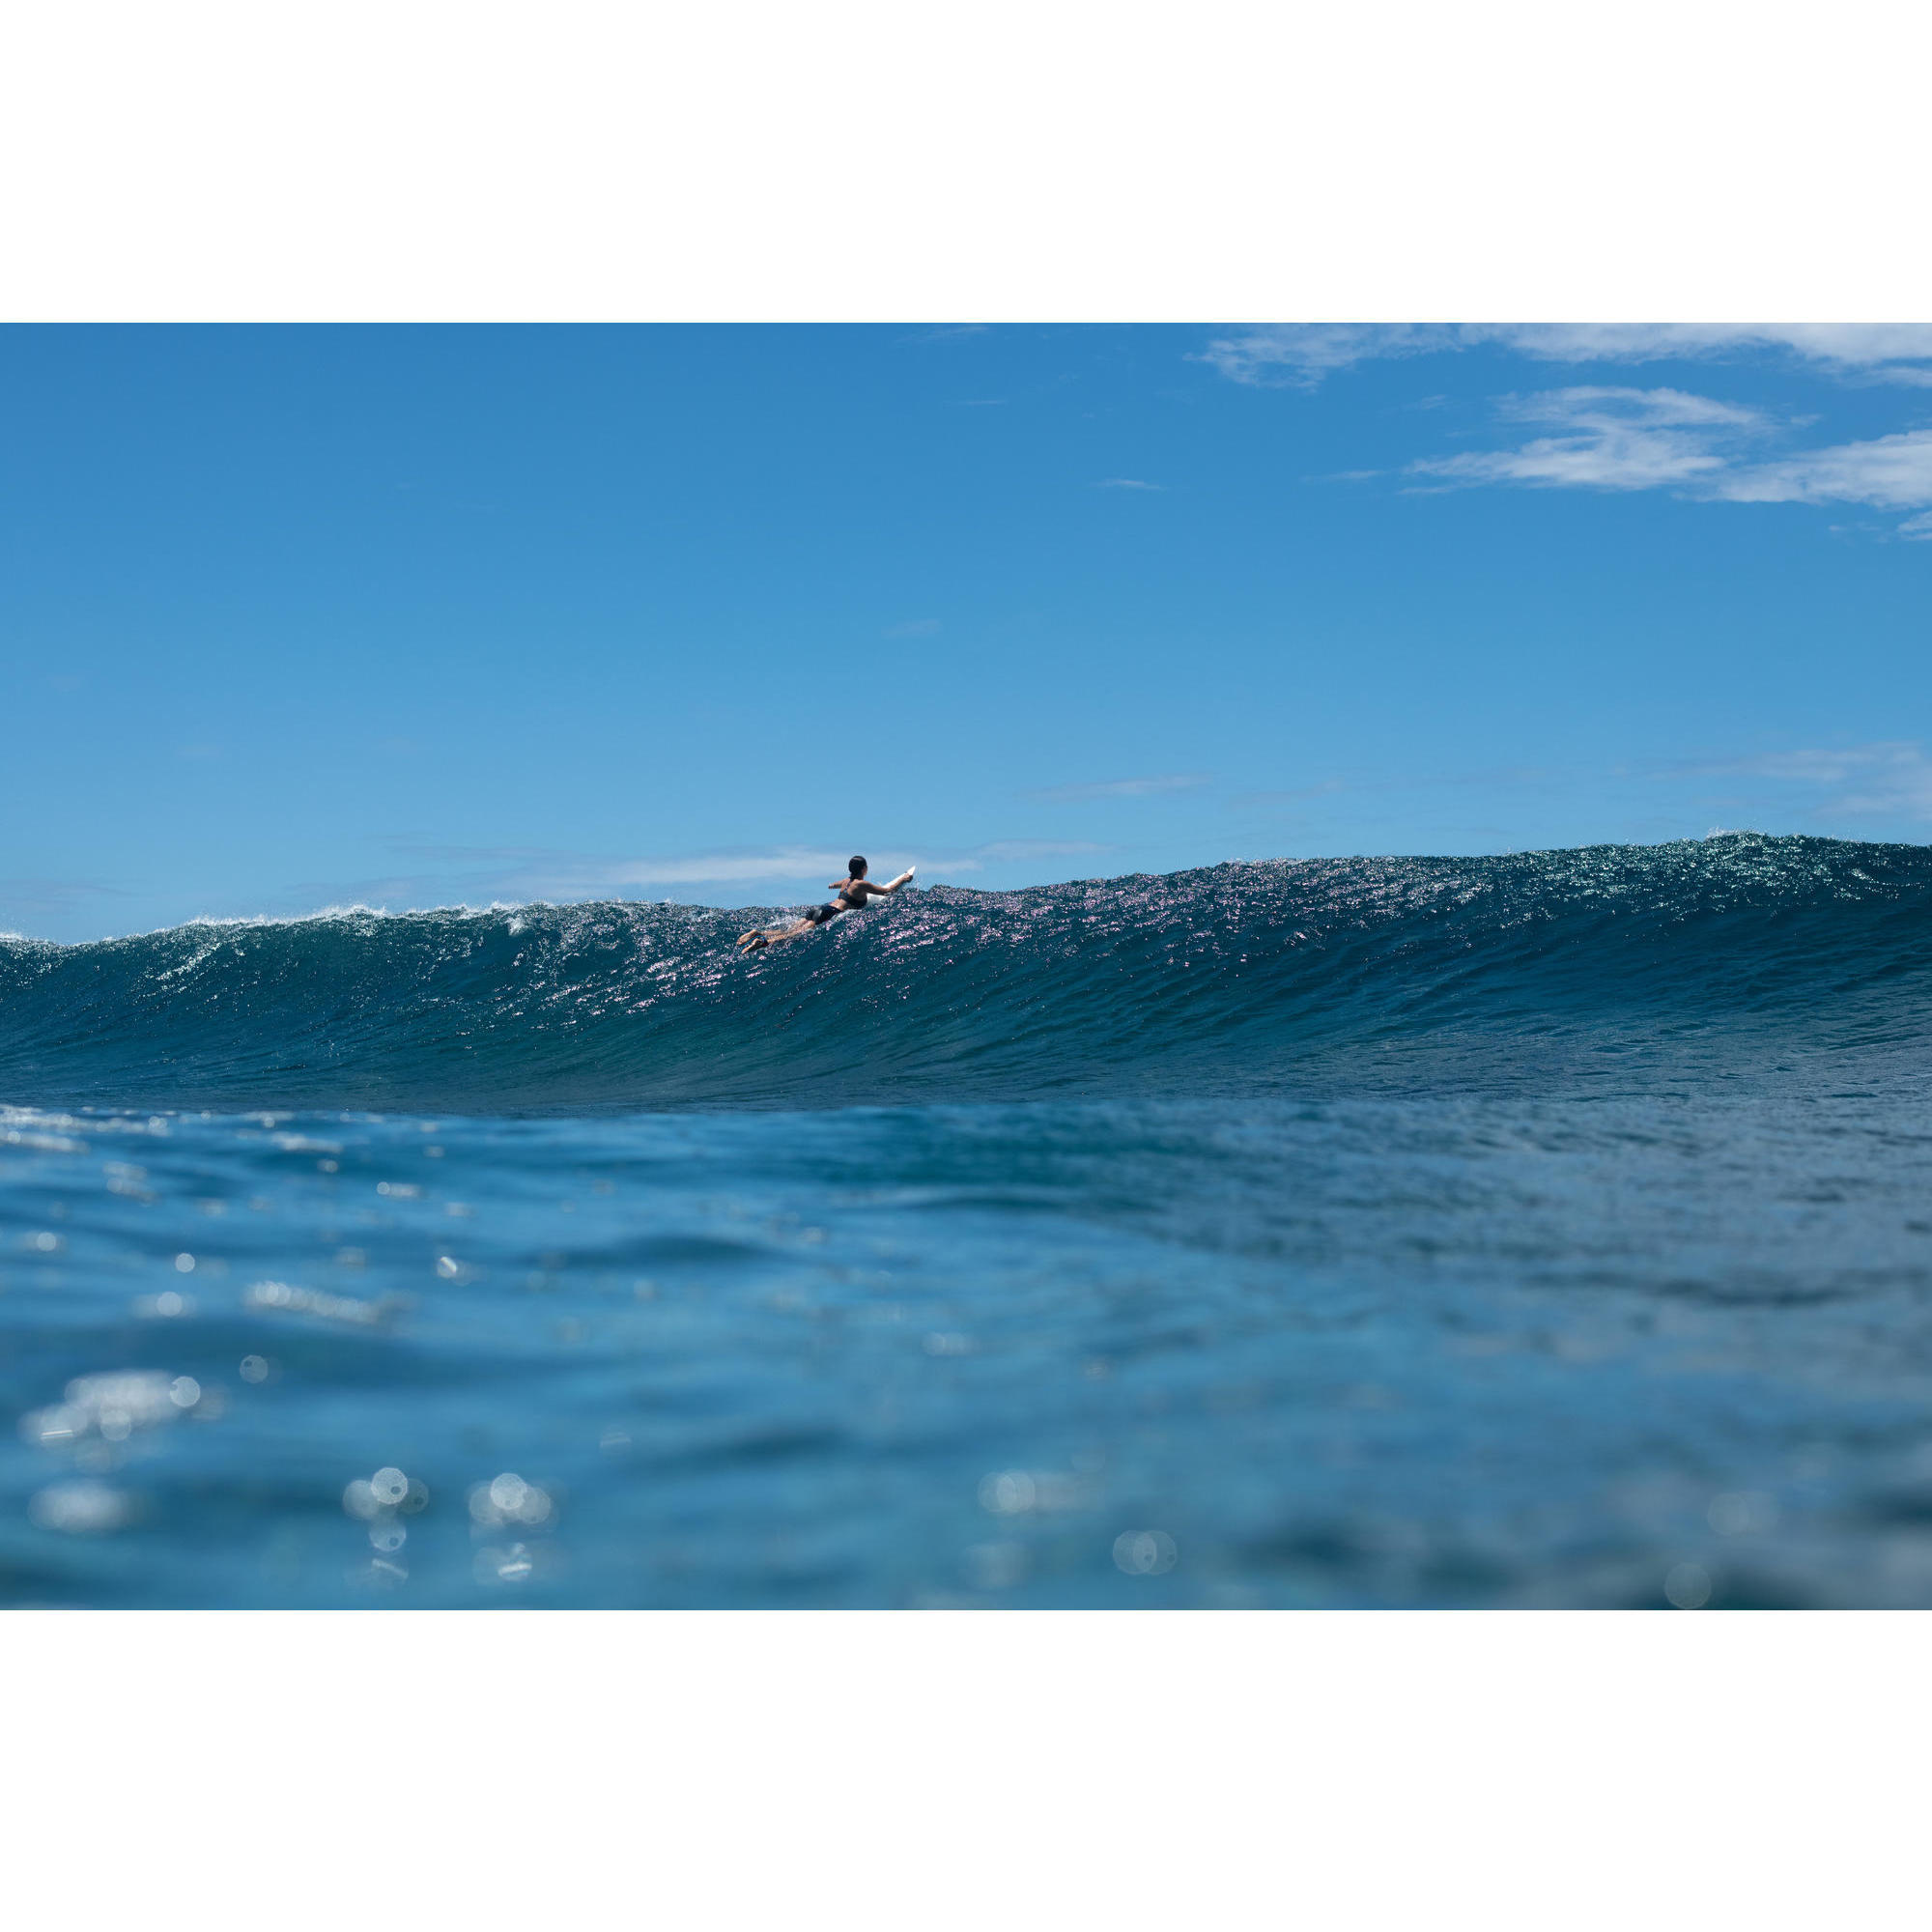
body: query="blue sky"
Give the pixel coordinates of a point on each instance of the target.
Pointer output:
(292, 617)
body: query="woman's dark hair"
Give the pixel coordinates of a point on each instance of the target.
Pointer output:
(856, 866)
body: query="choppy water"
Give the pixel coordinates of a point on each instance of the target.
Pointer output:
(1551, 1229)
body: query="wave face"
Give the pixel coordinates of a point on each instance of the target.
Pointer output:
(1534, 1230)
(1607, 964)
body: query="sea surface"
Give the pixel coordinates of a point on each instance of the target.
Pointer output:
(1548, 1229)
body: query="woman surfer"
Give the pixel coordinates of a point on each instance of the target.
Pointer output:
(853, 892)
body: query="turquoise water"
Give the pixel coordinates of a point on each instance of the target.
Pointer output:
(1548, 1229)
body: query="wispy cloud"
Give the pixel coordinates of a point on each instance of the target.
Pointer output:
(1842, 348)
(1300, 355)
(1608, 439)
(1127, 483)
(1614, 438)
(1146, 787)
(1303, 355)
(1890, 473)
(41, 898)
(1890, 779)
(1598, 436)
(917, 627)
(476, 874)
(546, 874)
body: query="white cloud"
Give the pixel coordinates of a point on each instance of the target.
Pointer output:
(919, 627)
(1608, 440)
(513, 869)
(44, 897)
(1127, 483)
(1086, 794)
(1892, 472)
(1892, 779)
(514, 875)
(1613, 439)
(715, 868)
(791, 863)
(1841, 347)
(1302, 354)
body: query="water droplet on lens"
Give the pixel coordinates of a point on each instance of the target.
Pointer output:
(1688, 1585)
(1008, 1493)
(1144, 1552)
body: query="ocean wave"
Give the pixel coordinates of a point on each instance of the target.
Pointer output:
(1732, 951)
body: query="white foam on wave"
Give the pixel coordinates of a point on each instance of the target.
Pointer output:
(321, 915)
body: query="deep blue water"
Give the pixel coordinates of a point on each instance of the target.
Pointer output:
(1544, 1230)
